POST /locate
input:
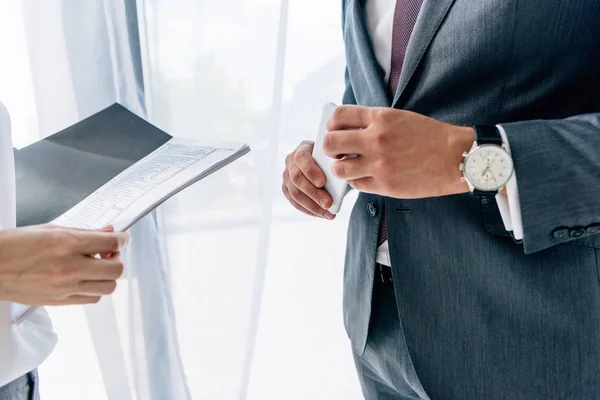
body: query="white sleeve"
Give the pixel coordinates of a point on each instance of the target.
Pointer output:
(508, 204)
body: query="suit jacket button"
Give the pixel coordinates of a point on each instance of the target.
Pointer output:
(372, 209)
(576, 232)
(560, 233)
(593, 229)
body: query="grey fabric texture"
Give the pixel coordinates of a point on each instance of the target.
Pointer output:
(485, 317)
(385, 369)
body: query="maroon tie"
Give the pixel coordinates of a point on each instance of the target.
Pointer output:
(405, 17)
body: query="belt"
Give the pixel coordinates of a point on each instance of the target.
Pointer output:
(384, 274)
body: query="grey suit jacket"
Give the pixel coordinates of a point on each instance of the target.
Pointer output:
(486, 317)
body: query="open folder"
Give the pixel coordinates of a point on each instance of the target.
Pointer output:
(109, 169)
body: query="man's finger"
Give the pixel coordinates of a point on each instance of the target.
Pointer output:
(101, 242)
(304, 161)
(320, 196)
(297, 206)
(284, 188)
(341, 143)
(351, 169)
(365, 185)
(349, 117)
(308, 203)
(109, 255)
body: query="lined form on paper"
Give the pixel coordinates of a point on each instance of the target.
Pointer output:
(142, 187)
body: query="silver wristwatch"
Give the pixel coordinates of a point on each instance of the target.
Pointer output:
(488, 166)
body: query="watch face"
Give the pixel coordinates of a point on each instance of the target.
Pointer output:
(488, 167)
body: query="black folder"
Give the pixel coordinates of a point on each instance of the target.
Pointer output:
(57, 173)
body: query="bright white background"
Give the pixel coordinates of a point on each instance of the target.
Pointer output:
(256, 286)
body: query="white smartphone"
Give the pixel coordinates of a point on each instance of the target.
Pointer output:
(336, 187)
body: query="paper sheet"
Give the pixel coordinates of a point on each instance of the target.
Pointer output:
(146, 184)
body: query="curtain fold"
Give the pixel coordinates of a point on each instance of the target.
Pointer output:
(84, 56)
(156, 365)
(267, 197)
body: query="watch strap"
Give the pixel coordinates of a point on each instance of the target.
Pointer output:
(483, 193)
(487, 134)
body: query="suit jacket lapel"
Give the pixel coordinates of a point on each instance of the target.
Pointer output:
(428, 23)
(365, 73)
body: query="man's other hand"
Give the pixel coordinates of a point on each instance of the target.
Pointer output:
(303, 183)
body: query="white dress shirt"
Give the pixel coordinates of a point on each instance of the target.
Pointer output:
(23, 346)
(380, 21)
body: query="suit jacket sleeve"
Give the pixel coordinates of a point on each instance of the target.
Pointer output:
(557, 163)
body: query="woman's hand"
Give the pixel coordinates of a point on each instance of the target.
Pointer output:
(47, 265)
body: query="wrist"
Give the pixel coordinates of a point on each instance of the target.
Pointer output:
(460, 140)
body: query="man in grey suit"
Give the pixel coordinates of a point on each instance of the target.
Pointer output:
(480, 282)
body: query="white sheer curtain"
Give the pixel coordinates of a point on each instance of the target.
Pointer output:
(61, 62)
(255, 286)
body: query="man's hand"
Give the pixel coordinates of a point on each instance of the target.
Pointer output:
(46, 265)
(401, 154)
(303, 183)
